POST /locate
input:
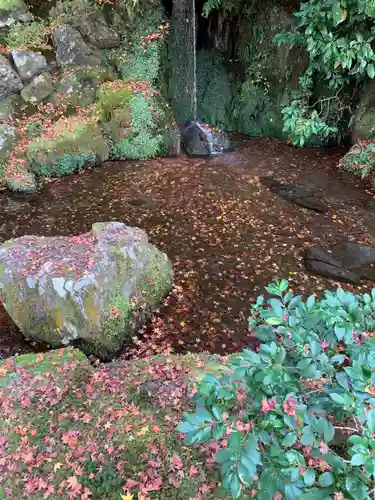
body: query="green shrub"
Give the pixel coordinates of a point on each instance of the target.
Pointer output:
(9, 4)
(144, 141)
(30, 36)
(109, 99)
(339, 40)
(281, 416)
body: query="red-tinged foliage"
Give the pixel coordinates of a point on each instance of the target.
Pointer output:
(41, 124)
(102, 430)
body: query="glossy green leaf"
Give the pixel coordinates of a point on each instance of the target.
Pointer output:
(309, 477)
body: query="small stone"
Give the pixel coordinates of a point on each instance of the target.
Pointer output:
(10, 82)
(29, 64)
(38, 89)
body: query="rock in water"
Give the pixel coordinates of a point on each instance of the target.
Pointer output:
(200, 140)
(347, 261)
(93, 291)
(295, 194)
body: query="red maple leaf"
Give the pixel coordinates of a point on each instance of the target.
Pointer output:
(73, 485)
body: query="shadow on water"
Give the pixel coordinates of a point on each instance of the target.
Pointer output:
(225, 232)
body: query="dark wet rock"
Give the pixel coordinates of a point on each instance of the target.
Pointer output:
(10, 82)
(97, 32)
(319, 262)
(347, 261)
(29, 64)
(295, 194)
(199, 139)
(93, 291)
(140, 202)
(72, 50)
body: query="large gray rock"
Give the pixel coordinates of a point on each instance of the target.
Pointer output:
(97, 32)
(8, 137)
(10, 82)
(14, 13)
(72, 50)
(38, 89)
(94, 290)
(29, 64)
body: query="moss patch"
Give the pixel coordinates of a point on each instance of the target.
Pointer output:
(75, 142)
(9, 5)
(92, 430)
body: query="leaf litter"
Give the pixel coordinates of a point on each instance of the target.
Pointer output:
(226, 234)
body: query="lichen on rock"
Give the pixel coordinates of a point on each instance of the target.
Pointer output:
(94, 290)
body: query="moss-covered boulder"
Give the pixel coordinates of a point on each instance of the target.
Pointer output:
(137, 119)
(93, 290)
(18, 178)
(78, 86)
(73, 143)
(13, 11)
(363, 124)
(360, 161)
(68, 430)
(38, 89)
(97, 32)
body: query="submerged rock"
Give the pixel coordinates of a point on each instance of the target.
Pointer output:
(10, 82)
(199, 139)
(347, 262)
(295, 194)
(93, 291)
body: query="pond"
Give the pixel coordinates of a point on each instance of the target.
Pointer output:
(226, 233)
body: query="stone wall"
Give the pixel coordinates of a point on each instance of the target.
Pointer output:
(80, 86)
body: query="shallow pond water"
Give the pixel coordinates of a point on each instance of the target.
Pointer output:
(226, 234)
